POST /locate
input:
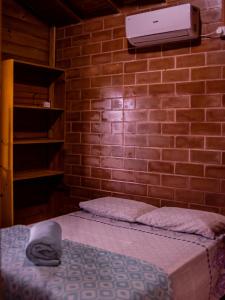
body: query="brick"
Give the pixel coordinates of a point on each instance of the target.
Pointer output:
(81, 127)
(135, 140)
(90, 71)
(160, 141)
(91, 182)
(101, 150)
(63, 43)
(160, 192)
(204, 184)
(72, 138)
(81, 61)
(189, 169)
(148, 153)
(205, 101)
(174, 181)
(113, 45)
(129, 103)
(215, 115)
(206, 128)
(175, 128)
(117, 151)
(175, 155)
(165, 88)
(92, 48)
(191, 60)
(110, 162)
(175, 75)
(215, 171)
(117, 103)
(88, 160)
(190, 87)
(135, 189)
(206, 73)
(123, 175)
(186, 195)
(148, 128)
(175, 102)
(117, 79)
(135, 115)
(80, 83)
(122, 56)
(115, 68)
(189, 142)
(93, 25)
(215, 86)
(100, 173)
(101, 58)
(148, 102)
(135, 91)
(148, 77)
(190, 115)
(71, 52)
(73, 30)
(90, 116)
(80, 39)
(103, 127)
(129, 152)
(90, 138)
(60, 33)
(130, 127)
(173, 203)
(161, 63)
(102, 104)
(135, 164)
(161, 115)
(217, 143)
(204, 207)
(113, 21)
(114, 186)
(112, 116)
(216, 58)
(137, 66)
(209, 157)
(101, 81)
(213, 199)
(81, 170)
(128, 79)
(160, 167)
(112, 139)
(119, 32)
(147, 178)
(102, 35)
(111, 92)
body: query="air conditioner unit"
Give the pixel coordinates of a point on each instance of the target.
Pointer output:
(164, 25)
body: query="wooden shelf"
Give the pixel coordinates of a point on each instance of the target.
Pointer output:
(37, 141)
(35, 74)
(35, 174)
(18, 106)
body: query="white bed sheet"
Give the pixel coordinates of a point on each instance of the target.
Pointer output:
(189, 260)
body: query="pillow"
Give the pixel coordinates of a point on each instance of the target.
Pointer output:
(117, 208)
(204, 223)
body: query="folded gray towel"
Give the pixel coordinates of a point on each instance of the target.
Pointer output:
(44, 245)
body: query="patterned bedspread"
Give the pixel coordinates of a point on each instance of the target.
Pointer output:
(85, 273)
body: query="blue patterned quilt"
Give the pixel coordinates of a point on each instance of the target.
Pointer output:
(85, 273)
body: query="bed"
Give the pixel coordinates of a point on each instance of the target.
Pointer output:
(105, 257)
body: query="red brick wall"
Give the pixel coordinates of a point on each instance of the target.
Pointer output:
(147, 124)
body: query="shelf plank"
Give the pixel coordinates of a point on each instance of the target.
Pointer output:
(20, 106)
(32, 174)
(37, 141)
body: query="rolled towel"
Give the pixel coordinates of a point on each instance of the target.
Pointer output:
(44, 245)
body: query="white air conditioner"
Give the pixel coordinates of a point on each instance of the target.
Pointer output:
(164, 25)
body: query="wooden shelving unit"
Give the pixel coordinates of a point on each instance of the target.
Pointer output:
(32, 141)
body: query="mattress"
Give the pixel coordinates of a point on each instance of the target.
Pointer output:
(195, 264)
